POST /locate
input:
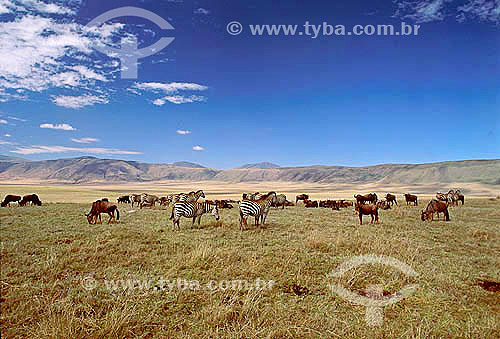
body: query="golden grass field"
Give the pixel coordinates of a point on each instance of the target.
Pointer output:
(47, 252)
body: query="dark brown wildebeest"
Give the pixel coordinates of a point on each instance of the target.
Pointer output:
(310, 203)
(280, 201)
(329, 204)
(435, 206)
(411, 198)
(32, 198)
(135, 198)
(102, 206)
(303, 197)
(221, 204)
(383, 204)
(289, 203)
(343, 203)
(391, 199)
(125, 199)
(371, 197)
(10, 198)
(461, 197)
(366, 209)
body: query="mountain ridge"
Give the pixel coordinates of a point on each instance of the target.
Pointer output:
(91, 169)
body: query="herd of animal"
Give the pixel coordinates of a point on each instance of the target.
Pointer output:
(255, 205)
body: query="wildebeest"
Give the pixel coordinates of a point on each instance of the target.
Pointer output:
(280, 201)
(165, 201)
(258, 209)
(343, 203)
(366, 209)
(148, 200)
(135, 198)
(30, 198)
(303, 197)
(310, 203)
(102, 206)
(435, 206)
(371, 197)
(125, 199)
(329, 204)
(193, 210)
(411, 198)
(252, 196)
(391, 199)
(10, 198)
(383, 204)
(222, 204)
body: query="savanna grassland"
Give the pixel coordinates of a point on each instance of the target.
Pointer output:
(46, 253)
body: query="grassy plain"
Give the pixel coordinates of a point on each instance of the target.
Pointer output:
(47, 252)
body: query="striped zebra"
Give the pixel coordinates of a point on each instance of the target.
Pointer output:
(186, 197)
(252, 196)
(192, 210)
(257, 209)
(280, 201)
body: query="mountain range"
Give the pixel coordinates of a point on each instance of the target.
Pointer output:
(91, 169)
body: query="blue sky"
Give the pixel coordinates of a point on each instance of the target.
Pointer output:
(222, 100)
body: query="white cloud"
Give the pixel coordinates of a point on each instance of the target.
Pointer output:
(7, 135)
(16, 118)
(64, 127)
(486, 10)
(38, 149)
(78, 101)
(421, 11)
(2, 121)
(85, 140)
(202, 11)
(183, 132)
(3, 142)
(198, 148)
(172, 87)
(159, 102)
(179, 99)
(436, 10)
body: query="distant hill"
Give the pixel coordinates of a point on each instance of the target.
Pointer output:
(260, 165)
(90, 169)
(187, 164)
(7, 158)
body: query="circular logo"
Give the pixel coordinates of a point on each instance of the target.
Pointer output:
(89, 283)
(234, 28)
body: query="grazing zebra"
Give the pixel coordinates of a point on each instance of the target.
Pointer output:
(186, 197)
(193, 210)
(258, 209)
(252, 196)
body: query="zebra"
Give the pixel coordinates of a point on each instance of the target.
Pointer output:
(186, 197)
(193, 210)
(258, 209)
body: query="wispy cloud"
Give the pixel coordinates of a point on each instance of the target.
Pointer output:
(198, 148)
(2, 121)
(7, 135)
(202, 11)
(421, 11)
(183, 132)
(78, 101)
(3, 142)
(64, 127)
(85, 140)
(38, 149)
(172, 87)
(436, 10)
(16, 118)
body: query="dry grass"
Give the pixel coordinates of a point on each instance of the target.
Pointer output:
(45, 253)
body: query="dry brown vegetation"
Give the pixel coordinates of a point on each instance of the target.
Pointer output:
(47, 251)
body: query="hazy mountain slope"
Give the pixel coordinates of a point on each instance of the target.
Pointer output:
(90, 169)
(261, 165)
